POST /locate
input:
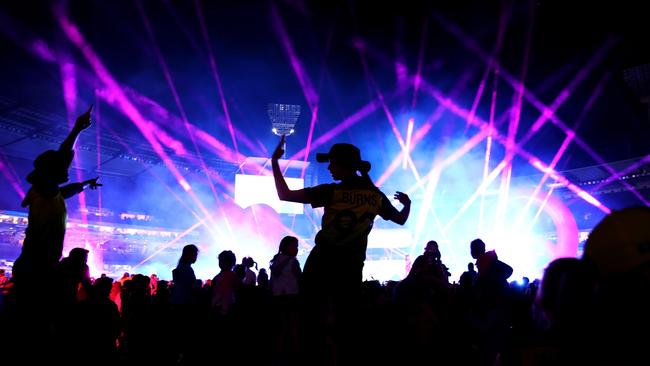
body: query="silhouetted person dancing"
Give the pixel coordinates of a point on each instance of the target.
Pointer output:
(36, 268)
(332, 274)
(43, 244)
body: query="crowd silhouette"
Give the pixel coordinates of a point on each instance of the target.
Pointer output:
(589, 310)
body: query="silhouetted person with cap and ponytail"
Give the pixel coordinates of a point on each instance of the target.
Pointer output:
(332, 275)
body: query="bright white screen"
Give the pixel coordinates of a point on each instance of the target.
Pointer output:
(389, 238)
(256, 189)
(384, 270)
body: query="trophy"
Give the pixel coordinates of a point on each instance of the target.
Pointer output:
(283, 119)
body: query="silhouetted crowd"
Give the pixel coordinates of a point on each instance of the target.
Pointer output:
(594, 310)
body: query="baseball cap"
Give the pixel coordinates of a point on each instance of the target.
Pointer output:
(347, 154)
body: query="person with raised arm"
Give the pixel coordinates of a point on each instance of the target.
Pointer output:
(47, 217)
(331, 282)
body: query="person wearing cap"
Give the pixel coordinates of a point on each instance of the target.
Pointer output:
(332, 274)
(43, 244)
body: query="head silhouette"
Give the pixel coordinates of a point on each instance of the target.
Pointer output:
(477, 247)
(289, 246)
(432, 249)
(78, 255)
(51, 167)
(190, 252)
(248, 262)
(227, 260)
(345, 161)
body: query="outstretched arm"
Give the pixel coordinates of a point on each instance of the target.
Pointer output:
(402, 215)
(71, 189)
(284, 193)
(83, 122)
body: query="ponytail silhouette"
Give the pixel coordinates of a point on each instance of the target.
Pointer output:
(364, 168)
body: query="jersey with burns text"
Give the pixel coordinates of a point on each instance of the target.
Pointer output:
(350, 210)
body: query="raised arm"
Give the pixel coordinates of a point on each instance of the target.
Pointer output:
(284, 193)
(71, 189)
(402, 215)
(82, 123)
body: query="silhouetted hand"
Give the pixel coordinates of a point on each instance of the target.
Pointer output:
(279, 151)
(403, 198)
(84, 121)
(92, 183)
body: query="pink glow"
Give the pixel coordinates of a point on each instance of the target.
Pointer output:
(312, 124)
(503, 20)
(69, 81)
(520, 87)
(210, 227)
(172, 88)
(69, 85)
(626, 171)
(589, 198)
(389, 115)
(574, 188)
(42, 50)
(215, 73)
(117, 97)
(418, 72)
(299, 70)
(488, 146)
(401, 73)
(567, 140)
(566, 228)
(217, 146)
(179, 237)
(13, 181)
(97, 114)
(128, 148)
(146, 127)
(308, 90)
(549, 112)
(546, 111)
(513, 127)
(477, 121)
(186, 186)
(344, 125)
(207, 140)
